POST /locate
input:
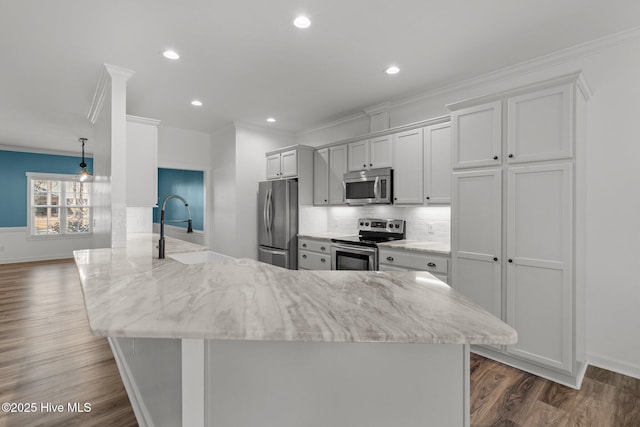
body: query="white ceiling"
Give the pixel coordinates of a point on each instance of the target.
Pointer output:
(245, 60)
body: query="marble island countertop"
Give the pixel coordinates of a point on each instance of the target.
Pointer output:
(441, 248)
(130, 292)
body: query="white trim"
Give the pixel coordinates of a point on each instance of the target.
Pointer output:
(98, 96)
(116, 71)
(142, 120)
(621, 367)
(345, 119)
(137, 404)
(377, 109)
(52, 176)
(52, 152)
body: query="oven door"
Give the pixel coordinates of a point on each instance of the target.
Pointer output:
(347, 257)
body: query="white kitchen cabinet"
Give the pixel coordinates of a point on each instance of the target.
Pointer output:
(477, 135)
(142, 162)
(407, 167)
(293, 162)
(542, 292)
(539, 253)
(321, 177)
(437, 164)
(337, 169)
(476, 237)
(406, 260)
(370, 154)
(540, 125)
(314, 254)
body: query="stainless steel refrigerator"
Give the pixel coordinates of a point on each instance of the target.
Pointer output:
(278, 223)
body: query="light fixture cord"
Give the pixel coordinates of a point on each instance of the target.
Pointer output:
(83, 164)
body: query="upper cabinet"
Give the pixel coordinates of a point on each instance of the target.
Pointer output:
(142, 162)
(477, 135)
(539, 125)
(407, 167)
(337, 169)
(293, 162)
(437, 164)
(370, 154)
(321, 177)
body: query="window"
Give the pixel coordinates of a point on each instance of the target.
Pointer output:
(58, 205)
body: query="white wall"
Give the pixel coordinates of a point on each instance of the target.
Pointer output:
(611, 68)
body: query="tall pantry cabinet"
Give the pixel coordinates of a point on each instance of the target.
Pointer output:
(517, 219)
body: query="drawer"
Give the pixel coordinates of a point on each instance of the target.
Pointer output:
(313, 261)
(414, 261)
(322, 246)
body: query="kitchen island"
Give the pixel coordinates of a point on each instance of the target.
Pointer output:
(248, 344)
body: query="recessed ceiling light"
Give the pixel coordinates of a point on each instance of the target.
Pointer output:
(393, 70)
(196, 103)
(171, 54)
(271, 120)
(302, 22)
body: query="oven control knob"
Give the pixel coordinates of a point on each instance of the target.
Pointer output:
(366, 223)
(361, 223)
(397, 225)
(390, 225)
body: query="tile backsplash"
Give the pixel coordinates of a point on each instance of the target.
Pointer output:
(343, 219)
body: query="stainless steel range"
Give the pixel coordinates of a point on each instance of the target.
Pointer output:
(361, 252)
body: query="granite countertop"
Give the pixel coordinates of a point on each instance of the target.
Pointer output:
(327, 235)
(439, 248)
(129, 292)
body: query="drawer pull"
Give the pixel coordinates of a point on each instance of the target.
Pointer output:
(389, 258)
(323, 260)
(323, 248)
(304, 256)
(431, 264)
(304, 245)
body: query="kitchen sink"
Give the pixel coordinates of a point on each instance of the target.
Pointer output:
(199, 257)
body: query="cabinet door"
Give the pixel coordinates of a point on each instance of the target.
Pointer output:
(321, 177)
(539, 253)
(358, 156)
(407, 167)
(289, 164)
(437, 164)
(477, 135)
(337, 169)
(273, 166)
(476, 241)
(381, 152)
(540, 125)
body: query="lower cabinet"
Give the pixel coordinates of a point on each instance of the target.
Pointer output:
(403, 260)
(314, 254)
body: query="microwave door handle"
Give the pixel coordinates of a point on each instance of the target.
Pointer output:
(375, 188)
(344, 191)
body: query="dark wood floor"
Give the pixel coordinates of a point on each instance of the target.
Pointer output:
(47, 354)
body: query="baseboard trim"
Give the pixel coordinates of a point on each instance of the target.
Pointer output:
(139, 409)
(617, 366)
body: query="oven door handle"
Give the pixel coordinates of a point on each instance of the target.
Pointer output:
(354, 249)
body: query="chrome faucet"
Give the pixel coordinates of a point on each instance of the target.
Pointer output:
(162, 221)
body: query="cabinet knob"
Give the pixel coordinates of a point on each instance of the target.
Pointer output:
(511, 156)
(510, 260)
(395, 198)
(495, 157)
(495, 258)
(428, 197)
(304, 245)
(389, 258)
(325, 200)
(431, 264)
(304, 256)
(364, 166)
(370, 164)
(323, 260)
(322, 248)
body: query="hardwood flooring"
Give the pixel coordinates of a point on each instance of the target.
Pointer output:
(48, 355)
(502, 396)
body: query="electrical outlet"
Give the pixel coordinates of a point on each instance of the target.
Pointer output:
(430, 228)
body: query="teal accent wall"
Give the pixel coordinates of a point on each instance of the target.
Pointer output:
(13, 180)
(187, 184)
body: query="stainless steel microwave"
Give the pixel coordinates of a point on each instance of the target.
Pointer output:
(372, 186)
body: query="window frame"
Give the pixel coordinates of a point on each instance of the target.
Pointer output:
(62, 206)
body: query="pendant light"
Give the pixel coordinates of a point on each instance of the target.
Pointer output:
(83, 175)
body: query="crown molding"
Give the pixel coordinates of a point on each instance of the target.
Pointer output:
(107, 73)
(142, 120)
(377, 109)
(115, 71)
(337, 122)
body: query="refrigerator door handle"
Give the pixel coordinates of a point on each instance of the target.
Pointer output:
(269, 213)
(264, 212)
